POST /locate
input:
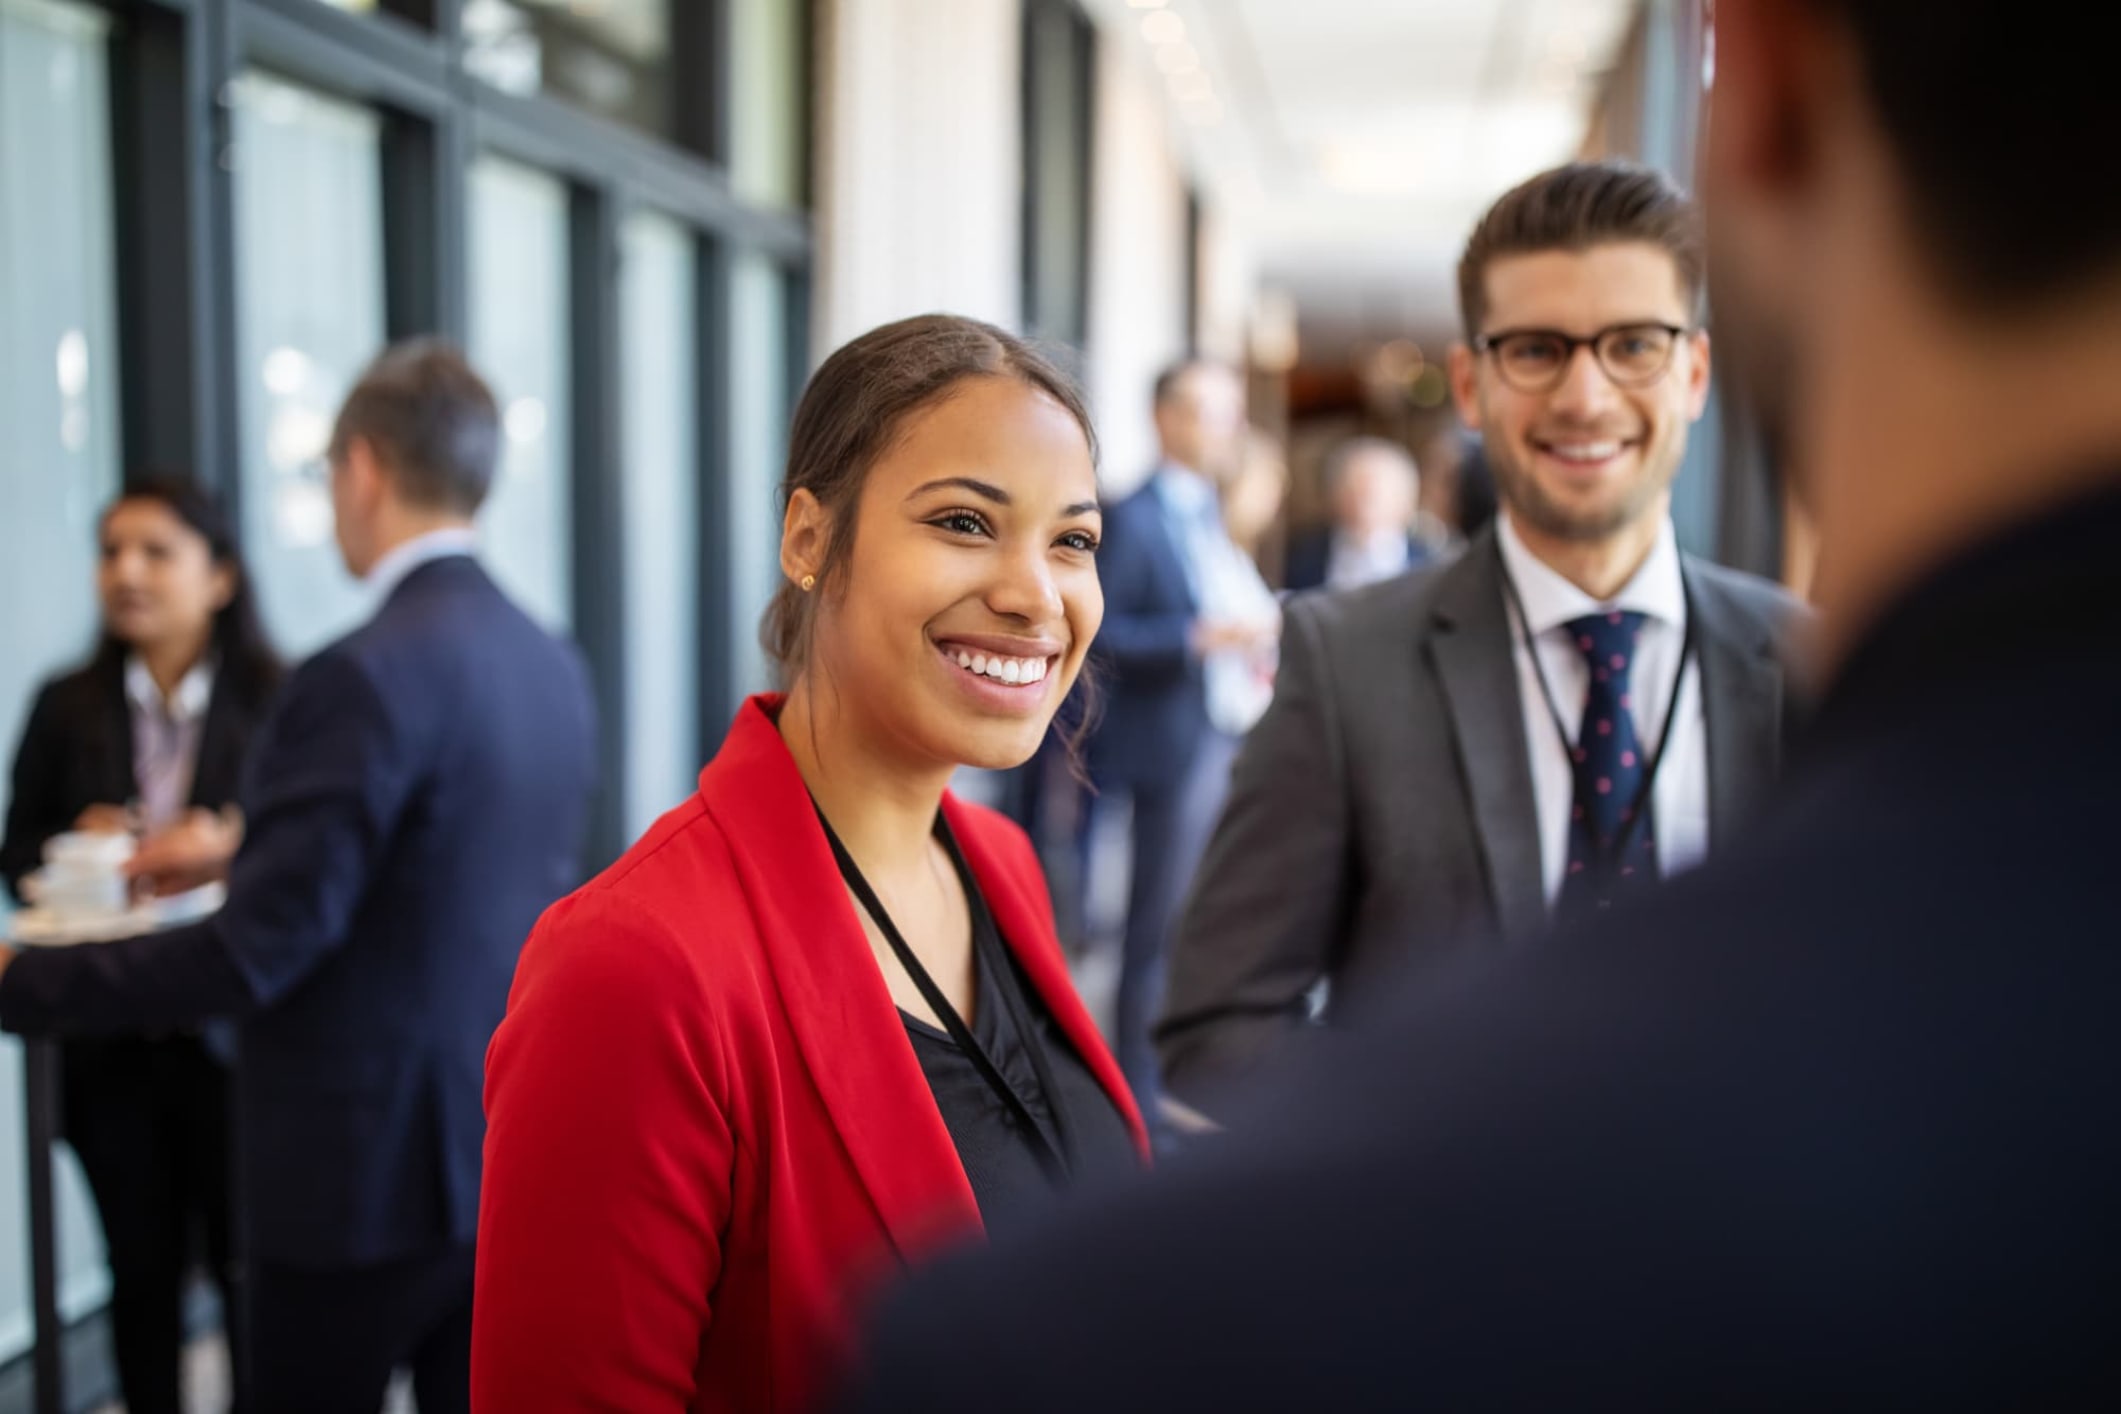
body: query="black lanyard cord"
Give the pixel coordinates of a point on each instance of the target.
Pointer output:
(1638, 809)
(1048, 1153)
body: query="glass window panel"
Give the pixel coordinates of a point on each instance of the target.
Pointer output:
(520, 342)
(309, 304)
(611, 57)
(59, 404)
(660, 583)
(760, 401)
(766, 100)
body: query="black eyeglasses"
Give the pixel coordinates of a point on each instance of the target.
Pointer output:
(1536, 360)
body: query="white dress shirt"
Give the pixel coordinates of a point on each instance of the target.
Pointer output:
(166, 735)
(387, 573)
(1352, 561)
(1228, 588)
(1680, 797)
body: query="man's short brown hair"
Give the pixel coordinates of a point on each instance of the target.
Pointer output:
(431, 419)
(1574, 208)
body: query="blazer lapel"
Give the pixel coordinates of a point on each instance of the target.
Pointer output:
(1026, 926)
(852, 1040)
(1477, 667)
(1741, 696)
(215, 775)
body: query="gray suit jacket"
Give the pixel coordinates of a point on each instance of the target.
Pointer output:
(1381, 814)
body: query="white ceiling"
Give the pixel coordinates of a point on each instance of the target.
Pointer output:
(1356, 141)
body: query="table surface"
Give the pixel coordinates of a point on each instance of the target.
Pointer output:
(36, 927)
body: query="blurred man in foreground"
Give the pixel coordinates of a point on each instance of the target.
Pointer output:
(1828, 1120)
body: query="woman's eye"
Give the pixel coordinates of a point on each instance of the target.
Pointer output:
(961, 523)
(1081, 540)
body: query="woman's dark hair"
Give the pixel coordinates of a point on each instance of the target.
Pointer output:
(851, 414)
(247, 663)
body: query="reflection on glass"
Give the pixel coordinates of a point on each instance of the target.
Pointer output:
(519, 340)
(610, 56)
(660, 583)
(760, 403)
(766, 101)
(59, 410)
(309, 274)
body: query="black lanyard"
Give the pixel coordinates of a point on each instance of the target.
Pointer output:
(1044, 1148)
(1609, 850)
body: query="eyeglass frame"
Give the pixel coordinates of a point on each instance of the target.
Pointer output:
(1487, 344)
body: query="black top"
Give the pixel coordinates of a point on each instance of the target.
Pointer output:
(77, 751)
(1080, 1121)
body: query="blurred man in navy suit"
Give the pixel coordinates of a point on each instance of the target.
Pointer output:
(1829, 1121)
(413, 803)
(1185, 649)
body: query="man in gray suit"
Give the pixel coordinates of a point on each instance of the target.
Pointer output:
(1571, 708)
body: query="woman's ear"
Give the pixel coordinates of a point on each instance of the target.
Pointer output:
(224, 585)
(805, 532)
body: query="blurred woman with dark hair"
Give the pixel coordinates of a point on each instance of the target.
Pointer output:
(148, 738)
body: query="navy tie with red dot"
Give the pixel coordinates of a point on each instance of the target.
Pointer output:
(1609, 849)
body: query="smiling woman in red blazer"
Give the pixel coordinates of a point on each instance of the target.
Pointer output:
(815, 1023)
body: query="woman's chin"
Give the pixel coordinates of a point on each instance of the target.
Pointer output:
(999, 746)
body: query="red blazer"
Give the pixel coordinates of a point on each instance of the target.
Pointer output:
(708, 1135)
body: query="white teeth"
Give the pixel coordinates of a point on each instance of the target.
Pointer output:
(1586, 451)
(1012, 671)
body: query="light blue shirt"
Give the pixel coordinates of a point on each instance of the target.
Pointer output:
(386, 574)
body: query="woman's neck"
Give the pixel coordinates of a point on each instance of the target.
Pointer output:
(882, 809)
(168, 662)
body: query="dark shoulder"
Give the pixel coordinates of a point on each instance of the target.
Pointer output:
(1760, 601)
(1392, 610)
(77, 699)
(89, 685)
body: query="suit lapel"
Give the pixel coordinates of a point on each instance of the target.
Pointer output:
(1477, 668)
(852, 1040)
(1741, 697)
(214, 775)
(1026, 926)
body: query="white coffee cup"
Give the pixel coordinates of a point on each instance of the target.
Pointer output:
(84, 874)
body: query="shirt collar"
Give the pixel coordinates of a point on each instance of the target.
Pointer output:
(389, 572)
(1549, 601)
(188, 703)
(1183, 492)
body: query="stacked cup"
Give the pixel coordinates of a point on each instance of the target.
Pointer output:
(84, 875)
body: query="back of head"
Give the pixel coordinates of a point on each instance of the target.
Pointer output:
(1995, 114)
(853, 410)
(431, 420)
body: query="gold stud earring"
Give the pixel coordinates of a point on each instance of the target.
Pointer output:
(808, 582)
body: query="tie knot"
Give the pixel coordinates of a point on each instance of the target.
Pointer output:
(1607, 642)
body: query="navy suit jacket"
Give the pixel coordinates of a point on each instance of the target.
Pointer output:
(1828, 1122)
(1155, 697)
(414, 801)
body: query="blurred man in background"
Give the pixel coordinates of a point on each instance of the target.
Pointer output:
(1374, 488)
(1829, 1120)
(1186, 652)
(415, 800)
